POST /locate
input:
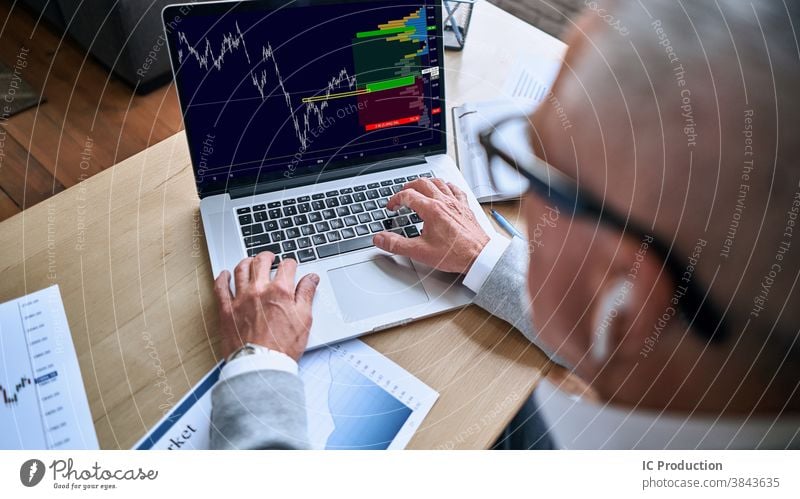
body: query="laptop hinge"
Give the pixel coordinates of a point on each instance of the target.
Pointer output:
(339, 173)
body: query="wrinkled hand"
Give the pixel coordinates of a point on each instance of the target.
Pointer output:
(451, 238)
(267, 312)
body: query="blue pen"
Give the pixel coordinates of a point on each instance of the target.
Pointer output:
(506, 225)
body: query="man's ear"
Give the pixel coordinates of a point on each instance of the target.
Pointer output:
(632, 300)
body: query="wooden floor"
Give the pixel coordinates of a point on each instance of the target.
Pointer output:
(90, 120)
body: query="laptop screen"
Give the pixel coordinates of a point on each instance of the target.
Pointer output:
(273, 91)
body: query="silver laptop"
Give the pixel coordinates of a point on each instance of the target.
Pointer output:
(303, 119)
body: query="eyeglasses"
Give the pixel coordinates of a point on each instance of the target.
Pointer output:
(512, 161)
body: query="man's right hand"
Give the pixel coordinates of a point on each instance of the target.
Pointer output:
(451, 238)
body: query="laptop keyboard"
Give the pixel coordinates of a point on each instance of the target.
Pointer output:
(326, 224)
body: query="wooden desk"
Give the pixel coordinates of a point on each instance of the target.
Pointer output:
(126, 247)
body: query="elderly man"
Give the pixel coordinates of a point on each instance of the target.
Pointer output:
(661, 263)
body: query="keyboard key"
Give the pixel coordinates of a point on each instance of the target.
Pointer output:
(385, 191)
(350, 221)
(278, 236)
(362, 230)
(344, 246)
(249, 230)
(292, 233)
(356, 208)
(300, 220)
(398, 231)
(319, 239)
(285, 223)
(360, 188)
(245, 219)
(415, 218)
(359, 196)
(390, 213)
(318, 205)
(411, 231)
(274, 204)
(289, 246)
(402, 221)
(322, 227)
(276, 261)
(304, 199)
(370, 205)
(290, 211)
(373, 194)
(307, 230)
(342, 211)
(270, 247)
(426, 175)
(373, 185)
(306, 255)
(404, 210)
(287, 202)
(348, 233)
(318, 195)
(271, 225)
(305, 242)
(242, 211)
(331, 202)
(259, 207)
(348, 199)
(260, 216)
(397, 188)
(333, 236)
(289, 255)
(376, 227)
(331, 194)
(304, 208)
(382, 202)
(275, 213)
(364, 218)
(314, 217)
(386, 182)
(336, 224)
(328, 214)
(401, 180)
(258, 240)
(378, 215)
(346, 190)
(412, 177)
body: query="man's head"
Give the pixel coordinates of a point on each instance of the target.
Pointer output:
(685, 121)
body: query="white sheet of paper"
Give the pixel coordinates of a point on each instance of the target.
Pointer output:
(527, 86)
(44, 404)
(355, 398)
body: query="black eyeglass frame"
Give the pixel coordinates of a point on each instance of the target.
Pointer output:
(544, 180)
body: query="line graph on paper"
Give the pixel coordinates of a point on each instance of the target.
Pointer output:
(41, 407)
(267, 85)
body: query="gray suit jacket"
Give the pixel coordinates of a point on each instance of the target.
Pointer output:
(266, 409)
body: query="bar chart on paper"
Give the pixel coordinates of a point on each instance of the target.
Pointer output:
(44, 405)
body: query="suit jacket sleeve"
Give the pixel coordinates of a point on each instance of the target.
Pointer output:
(262, 409)
(505, 293)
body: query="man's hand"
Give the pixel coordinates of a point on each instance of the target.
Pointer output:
(451, 239)
(267, 312)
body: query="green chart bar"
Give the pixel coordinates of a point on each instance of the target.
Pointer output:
(388, 84)
(384, 32)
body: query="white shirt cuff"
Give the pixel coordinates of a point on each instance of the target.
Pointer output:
(264, 359)
(485, 262)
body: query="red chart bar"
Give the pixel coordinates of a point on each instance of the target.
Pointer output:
(390, 123)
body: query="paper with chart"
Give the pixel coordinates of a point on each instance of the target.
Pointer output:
(526, 87)
(355, 397)
(44, 401)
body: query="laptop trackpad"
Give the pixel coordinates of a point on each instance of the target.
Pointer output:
(384, 284)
